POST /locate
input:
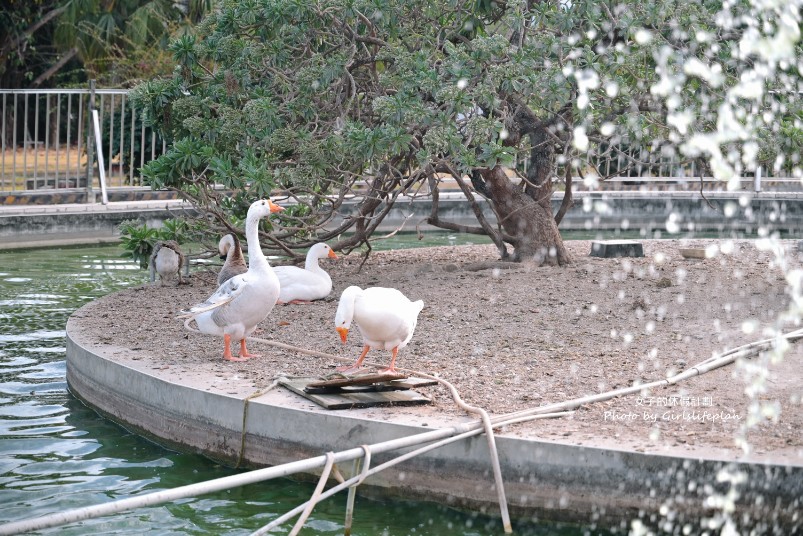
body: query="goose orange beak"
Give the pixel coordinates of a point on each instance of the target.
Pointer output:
(274, 207)
(344, 333)
(332, 254)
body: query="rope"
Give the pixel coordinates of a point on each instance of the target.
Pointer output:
(246, 400)
(489, 434)
(330, 458)
(366, 464)
(337, 474)
(704, 366)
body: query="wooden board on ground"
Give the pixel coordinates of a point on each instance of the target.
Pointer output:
(358, 379)
(373, 381)
(413, 382)
(354, 396)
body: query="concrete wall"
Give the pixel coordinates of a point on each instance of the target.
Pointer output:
(745, 211)
(32, 226)
(66, 224)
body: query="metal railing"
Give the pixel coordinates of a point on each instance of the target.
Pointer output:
(628, 167)
(48, 140)
(48, 143)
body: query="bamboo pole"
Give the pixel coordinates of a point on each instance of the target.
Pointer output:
(352, 495)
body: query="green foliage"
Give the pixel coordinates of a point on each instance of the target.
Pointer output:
(111, 41)
(129, 154)
(138, 239)
(779, 149)
(175, 229)
(154, 98)
(319, 97)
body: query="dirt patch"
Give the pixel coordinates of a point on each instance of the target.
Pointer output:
(511, 337)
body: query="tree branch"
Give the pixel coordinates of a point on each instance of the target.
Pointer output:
(56, 67)
(568, 200)
(13, 42)
(475, 207)
(702, 165)
(480, 185)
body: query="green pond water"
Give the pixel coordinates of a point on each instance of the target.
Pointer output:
(57, 454)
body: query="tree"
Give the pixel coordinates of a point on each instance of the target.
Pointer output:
(51, 43)
(325, 99)
(93, 37)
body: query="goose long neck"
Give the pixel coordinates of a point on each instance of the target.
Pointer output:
(256, 258)
(234, 252)
(311, 264)
(349, 302)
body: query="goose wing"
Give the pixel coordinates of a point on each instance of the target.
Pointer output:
(301, 284)
(172, 244)
(385, 316)
(226, 293)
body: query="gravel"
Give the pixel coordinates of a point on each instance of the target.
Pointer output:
(512, 337)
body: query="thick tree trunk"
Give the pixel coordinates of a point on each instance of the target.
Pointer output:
(525, 210)
(528, 221)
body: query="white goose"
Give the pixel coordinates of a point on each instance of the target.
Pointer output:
(385, 317)
(303, 285)
(229, 249)
(243, 301)
(167, 260)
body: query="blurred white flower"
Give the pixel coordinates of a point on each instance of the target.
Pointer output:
(580, 139)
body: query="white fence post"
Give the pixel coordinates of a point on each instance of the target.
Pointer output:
(757, 181)
(99, 145)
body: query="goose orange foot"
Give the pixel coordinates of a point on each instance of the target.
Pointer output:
(244, 355)
(392, 367)
(357, 365)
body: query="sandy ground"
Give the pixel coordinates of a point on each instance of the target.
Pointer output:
(522, 336)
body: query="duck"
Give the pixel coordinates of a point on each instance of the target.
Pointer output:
(243, 301)
(230, 250)
(304, 285)
(167, 260)
(385, 317)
